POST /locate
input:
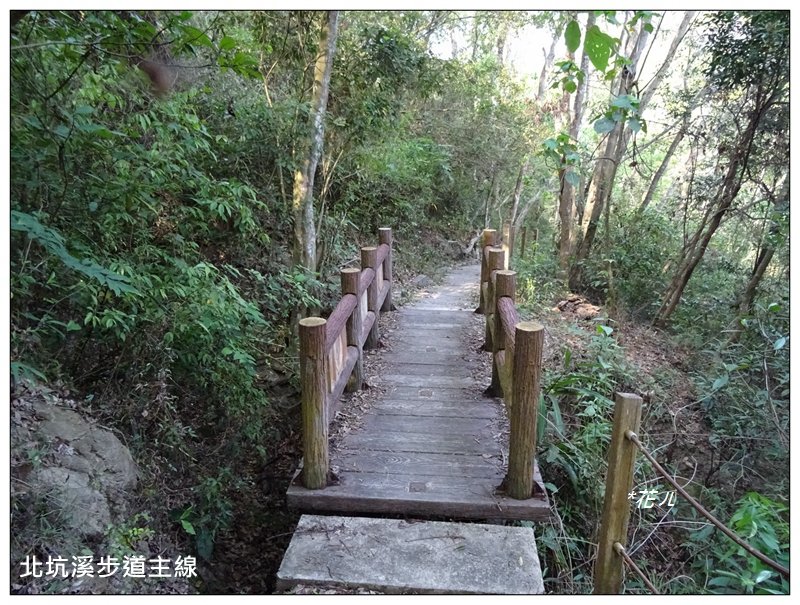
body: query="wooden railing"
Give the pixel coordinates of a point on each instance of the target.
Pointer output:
(331, 359)
(516, 362)
(611, 551)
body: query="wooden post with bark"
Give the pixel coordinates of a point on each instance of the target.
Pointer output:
(504, 284)
(489, 238)
(525, 373)
(508, 241)
(494, 262)
(385, 237)
(616, 506)
(313, 400)
(350, 278)
(369, 260)
(524, 242)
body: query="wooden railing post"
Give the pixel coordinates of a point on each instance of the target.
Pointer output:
(489, 238)
(505, 284)
(508, 241)
(369, 259)
(494, 262)
(525, 380)
(524, 242)
(616, 506)
(313, 397)
(354, 327)
(385, 237)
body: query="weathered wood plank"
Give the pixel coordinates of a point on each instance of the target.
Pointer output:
(464, 498)
(443, 409)
(428, 381)
(429, 393)
(482, 443)
(424, 369)
(429, 358)
(381, 424)
(421, 464)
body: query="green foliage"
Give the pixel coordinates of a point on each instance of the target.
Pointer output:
(53, 242)
(599, 46)
(210, 512)
(729, 569)
(747, 48)
(563, 152)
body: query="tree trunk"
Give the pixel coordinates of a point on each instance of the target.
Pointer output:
(729, 189)
(747, 297)
(665, 163)
(305, 236)
(606, 168)
(566, 197)
(518, 192)
(548, 64)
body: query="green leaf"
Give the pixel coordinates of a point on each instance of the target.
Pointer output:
(648, 27)
(196, 36)
(778, 344)
(23, 370)
(720, 382)
(73, 326)
(607, 330)
(625, 102)
(227, 43)
(570, 86)
(188, 527)
(604, 125)
(774, 307)
(572, 178)
(598, 47)
(635, 124)
(205, 544)
(572, 36)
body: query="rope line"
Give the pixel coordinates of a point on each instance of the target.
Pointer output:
(623, 553)
(634, 438)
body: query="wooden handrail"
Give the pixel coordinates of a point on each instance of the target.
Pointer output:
(331, 358)
(364, 281)
(509, 318)
(516, 362)
(338, 319)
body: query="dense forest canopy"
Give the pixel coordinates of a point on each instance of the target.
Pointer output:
(185, 185)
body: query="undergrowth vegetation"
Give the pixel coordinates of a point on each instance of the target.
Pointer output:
(153, 268)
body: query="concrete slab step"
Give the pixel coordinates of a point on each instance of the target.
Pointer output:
(412, 557)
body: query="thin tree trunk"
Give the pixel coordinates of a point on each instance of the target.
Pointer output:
(651, 190)
(605, 170)
(747, 297)
(567, 206)
(305, 236)
(729, 189)
(518, 191)
(548, 64)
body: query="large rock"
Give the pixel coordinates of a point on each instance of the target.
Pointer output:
(422, 281)
(83, 470)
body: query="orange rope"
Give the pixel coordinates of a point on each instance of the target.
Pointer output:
(621, 551)
(633, 437)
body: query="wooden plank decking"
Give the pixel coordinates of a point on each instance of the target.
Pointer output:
(433, 446)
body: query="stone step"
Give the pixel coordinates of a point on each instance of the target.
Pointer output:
(398, 556)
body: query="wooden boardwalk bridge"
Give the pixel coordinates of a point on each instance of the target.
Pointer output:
(434, 445)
